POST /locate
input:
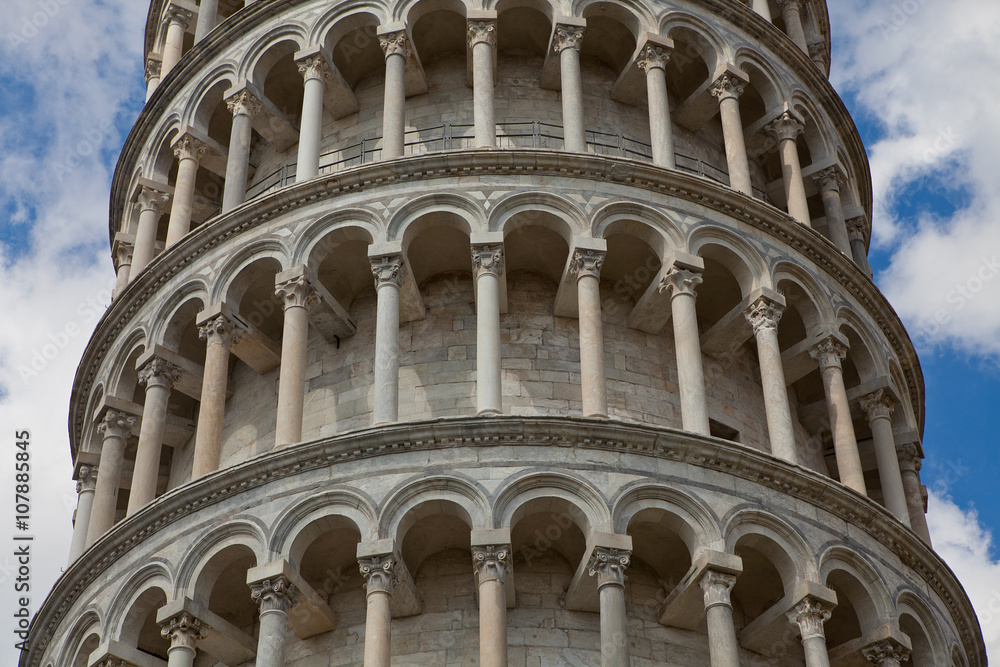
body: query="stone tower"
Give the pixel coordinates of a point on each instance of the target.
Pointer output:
(516, 333)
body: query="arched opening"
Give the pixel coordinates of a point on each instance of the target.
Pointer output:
(222, 586)
(922, 654)
(140, 628)
(768, 573)
(82, 656)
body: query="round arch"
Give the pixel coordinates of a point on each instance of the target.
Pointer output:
(711, 47)
(358, 223)
(526, 205)
(226, 277)
(339, 21)
(88, 624)
(693, 521)
(253, 68)
(817, 310)
(155, 575)
(866, 590)
(180, 299)
(295, 527)
(194, 110)
(777, 540)
(654, 227)
(248, 532)
(466, 214)
(586, 505)
(449, 495)
(739, 257)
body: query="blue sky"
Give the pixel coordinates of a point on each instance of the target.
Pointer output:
(918, 76)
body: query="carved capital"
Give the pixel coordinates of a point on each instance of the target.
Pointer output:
(810, 615)
(790, 5)
(877, 405)
(817, 52)
(152, 200)
(609, 566)
(244, 103)
(886, 652)
(785, 127)
(829, 353)
(909, 458)
(716, 587)
(395, 43)
(123, 253)
(189, 148)
(389, 270)
(487, 259)
(184, 630)
(857, 229)
(482, 32)
(296, 293)
(178, 15)
(378, 573)
(114, 662)
(587, 263)
(220, 331)
(727, 86)
(491, 562)
(567, 37)
(680, 281)
(159, 373)
(314, 67)
(116, 425)
(154, 68)
(764, 314)
(652, 57)
(276, 594)
(87, 480)
(829, 180)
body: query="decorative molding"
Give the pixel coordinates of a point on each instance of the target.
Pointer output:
(395, 43)
(184, 630)
(877, 405)
(116, 424)
(296, 293)
(189, 148)
(829, 353)
(727, 86)
(786, 127)
(809, 615)
(716, 587)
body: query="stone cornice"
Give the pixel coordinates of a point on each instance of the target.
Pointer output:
(861, 513)
(764, 217)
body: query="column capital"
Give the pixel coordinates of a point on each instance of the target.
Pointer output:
(727, 85)
(817, 53)
(809, 615)
(885, 651)
(587, 263)
(491, 562)
(909, 458)
(184, 630)
(567, 37)
(296, 293)
(395, 43)
(112, 661)
(124, 251)
(187, 147)
(277, 594)
(857, 229)
(482, 31)
(488, 258)
(154, 67)
(87, 480)
(314, 66)
(609, 566)
(150, 199)
(244, 103)
(786, 127)
(159, 373)
(653, 56)
(877, 405)
(716, 587)
(220, 331)
(830, 179)
(829, 353)
(764, 313)
(179, 15)
(378, 572)
(680, 281)
(116, 424)
(388, 270)
(790, 4)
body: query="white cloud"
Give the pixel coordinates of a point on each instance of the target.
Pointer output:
(965, 545)
(924, 70)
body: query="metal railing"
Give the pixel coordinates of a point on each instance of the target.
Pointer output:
(460, 136)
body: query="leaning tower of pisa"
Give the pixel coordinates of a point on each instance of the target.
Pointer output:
(522, 333)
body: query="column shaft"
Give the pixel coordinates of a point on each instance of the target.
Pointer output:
(791, 13)
(687, 343)
(291, 381)
(723, 646)
(830, 181)
(763, 316)
(856, 231)
(488, 261)
(879, 407)
(208, 18)
(396, 49)
(151, 204)
(909, 463)
(219, 334)
(763, 8)
(609, 566)
(173, 43)
(378, 628)
(184, 632)
(829, 354)
(84, 510)
(795, 191)
(815, 652)
(587, 266)
(653, 60)
(311, 127)
(154, 67)
(491, 564)
(115, 427)
(189, 152)
(482, 34)
(243, 107)
(574, 131)
(736, 149)
(276, 597)
(158, 376)
(389, 275)
(124, 252)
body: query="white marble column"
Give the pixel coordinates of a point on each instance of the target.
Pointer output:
(159, 376)
(208, 18)
(809, 616)
(378, 574)
(244, 107)
(491, 564)
(887, 653)
(396, 47)
(763, 8)
(681, 284)
(609, 566)
(568, 39)
(785, 130)
(830, 181)
(878, 408)
(727, 89)
(296, 295)
(586, 265)
(791, 13)
(85, 489)
(275, 598)
(909, 465)
(151, 204)
(390, 274)
(764, 315)
(488, 264)
(177, 20)
(189, 152)
(857, 231)
(184, 633)
(154, 67)
(315, 72)
(830, 353)
(482, 41)
(219, 334)
(723, 648)
(124, 252)
(653, 61)
(116, 427)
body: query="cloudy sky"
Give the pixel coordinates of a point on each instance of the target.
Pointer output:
(920, 77)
